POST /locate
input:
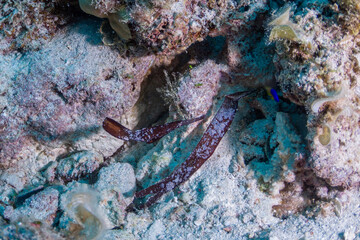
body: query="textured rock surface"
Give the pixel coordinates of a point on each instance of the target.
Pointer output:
(27, 25)
(197, 90)
(116, 185)
(117, 176)
(320, 71)
(20, 231)
(172, 26)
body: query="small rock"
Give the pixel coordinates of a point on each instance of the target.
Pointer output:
(118, 176)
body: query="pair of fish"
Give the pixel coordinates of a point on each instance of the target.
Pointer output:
(203, 151)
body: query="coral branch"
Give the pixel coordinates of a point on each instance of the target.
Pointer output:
(204, 149)
(147, 135)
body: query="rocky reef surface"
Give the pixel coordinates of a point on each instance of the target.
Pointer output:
(288, 167)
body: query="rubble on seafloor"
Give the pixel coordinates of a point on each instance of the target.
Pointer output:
(285, 169)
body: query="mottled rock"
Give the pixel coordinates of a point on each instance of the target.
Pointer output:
(62, 93)
(14, 179)
(117, 176)
(29, 24)
(321, 72)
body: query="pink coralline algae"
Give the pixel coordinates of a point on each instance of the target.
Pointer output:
(64, 95)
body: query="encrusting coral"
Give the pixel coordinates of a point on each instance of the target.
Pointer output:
(319, 71)
(166, 27)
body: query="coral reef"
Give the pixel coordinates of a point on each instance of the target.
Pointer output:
(178, 24)
(191, 94)
(287, 167)
(169, 27)
(197, 88)
(320, 72)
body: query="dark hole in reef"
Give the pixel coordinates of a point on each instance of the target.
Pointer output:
(299, 121)
(298, 116)
(327, 12)
(151, 106)
(120, 227)
(94, 176)
(69, 8)
(258, 114)
(211, 48)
